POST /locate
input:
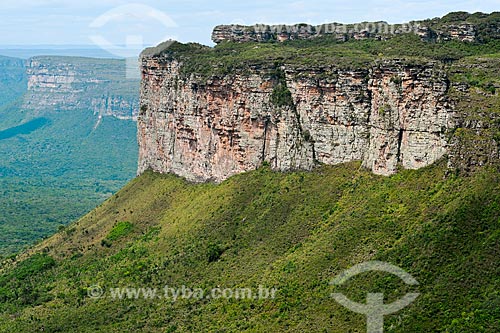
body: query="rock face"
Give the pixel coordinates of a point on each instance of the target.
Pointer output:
(67, 83)
(393, 113)
(459, 26)
(464, 32)
(12, 79)
(207, 114)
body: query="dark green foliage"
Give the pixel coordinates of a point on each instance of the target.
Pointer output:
(106, 243)
(396, 80)
(281, 95)
(307, 135)
(454, 17)
(214, 252)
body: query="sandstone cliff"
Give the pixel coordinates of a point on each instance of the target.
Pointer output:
(207, 114)
(68, 83)
(459, 26)
(389, 114)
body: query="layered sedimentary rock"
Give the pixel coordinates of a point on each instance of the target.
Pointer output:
(459, 26)
(392, 113)
(68, 83)
(207, 114)
(464, 32)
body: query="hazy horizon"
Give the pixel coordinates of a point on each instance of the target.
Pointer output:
(109, 23)
(26, 52)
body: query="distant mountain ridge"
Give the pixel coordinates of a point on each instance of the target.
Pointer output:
(26, 52)
(67, 141)
(13, 81)
(69, 83)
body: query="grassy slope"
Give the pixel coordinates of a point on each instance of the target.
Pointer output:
(294, 231)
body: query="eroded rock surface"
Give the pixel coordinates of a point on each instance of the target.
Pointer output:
(68, 83)
(392, 113)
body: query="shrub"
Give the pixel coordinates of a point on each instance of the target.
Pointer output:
(120, 230)
(214, 252)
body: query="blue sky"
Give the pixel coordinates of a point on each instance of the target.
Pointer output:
(64, 22)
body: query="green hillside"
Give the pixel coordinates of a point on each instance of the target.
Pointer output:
(295, 232)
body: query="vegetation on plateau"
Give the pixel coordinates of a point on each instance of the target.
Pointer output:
(324, 53)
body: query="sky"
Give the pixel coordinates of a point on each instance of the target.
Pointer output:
(112, 23)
